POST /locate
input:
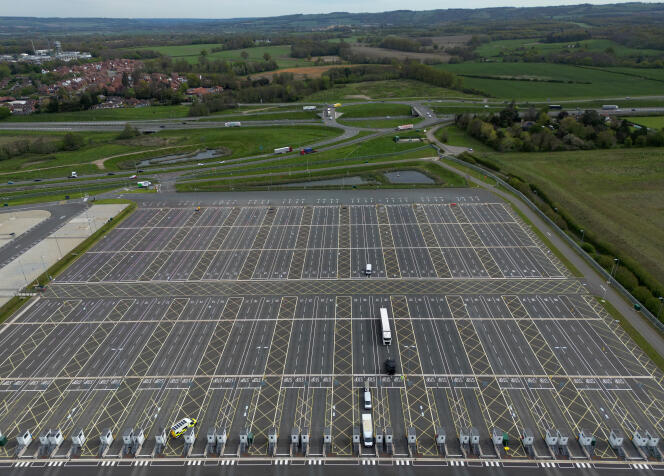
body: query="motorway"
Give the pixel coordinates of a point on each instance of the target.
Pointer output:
(254, 313)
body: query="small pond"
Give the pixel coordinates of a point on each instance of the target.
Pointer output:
(408, 176)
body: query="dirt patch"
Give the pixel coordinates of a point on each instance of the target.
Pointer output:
(373, 52)
(301, 72)
(451, 41)
(100, 162)
(147, 141)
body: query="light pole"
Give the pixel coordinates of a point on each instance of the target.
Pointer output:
(583, 234)
(615, 266)
(661, 302)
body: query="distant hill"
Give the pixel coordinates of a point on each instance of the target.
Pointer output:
(592, 14)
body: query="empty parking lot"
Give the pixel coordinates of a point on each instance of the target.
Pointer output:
(258, 316)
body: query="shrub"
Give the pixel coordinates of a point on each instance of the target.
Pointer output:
(653, 305)
(642, 294)
(72, 141)
(625, 277)
(588, 247)
(128, 132)
(605, 262)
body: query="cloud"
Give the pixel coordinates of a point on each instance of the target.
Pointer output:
(234, 9)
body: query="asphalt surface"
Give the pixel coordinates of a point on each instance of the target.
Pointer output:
(254, 313)
(60, 214)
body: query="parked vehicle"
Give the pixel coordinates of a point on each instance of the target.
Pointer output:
(367, 430)
(385, 327)
(182, 426)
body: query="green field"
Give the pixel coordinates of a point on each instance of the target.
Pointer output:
(191, 53)
(534, 86)
(375, 110)
(389, 89)
(615, 195)
(457, 137)
(496, 48)
(653, 122)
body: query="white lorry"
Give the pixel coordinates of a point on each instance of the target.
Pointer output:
(283, 150)
(73, 174)
(385, 327)
(232, 124)
(309, 108)
(367, 430)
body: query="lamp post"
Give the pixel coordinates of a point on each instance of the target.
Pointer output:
(661, 302)
(583, 234)
(615, 265)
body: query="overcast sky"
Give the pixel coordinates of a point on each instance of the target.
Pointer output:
(234, 8)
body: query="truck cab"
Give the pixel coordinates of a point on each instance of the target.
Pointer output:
(367, 269)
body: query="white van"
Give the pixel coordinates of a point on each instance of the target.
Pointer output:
(367, 269)
(367, 399)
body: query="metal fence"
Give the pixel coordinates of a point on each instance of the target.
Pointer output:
(610, 280)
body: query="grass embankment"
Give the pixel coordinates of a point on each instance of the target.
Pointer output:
(380, 149)
(545, 81)
(371, 173)
(381, 123)
(638, 339)
(388, 89)
(375, 110)
(652, 122)
(14, 304)
(55, 194)
(122, 154)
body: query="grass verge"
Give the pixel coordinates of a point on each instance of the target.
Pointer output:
(633, 333)
(441, 177)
